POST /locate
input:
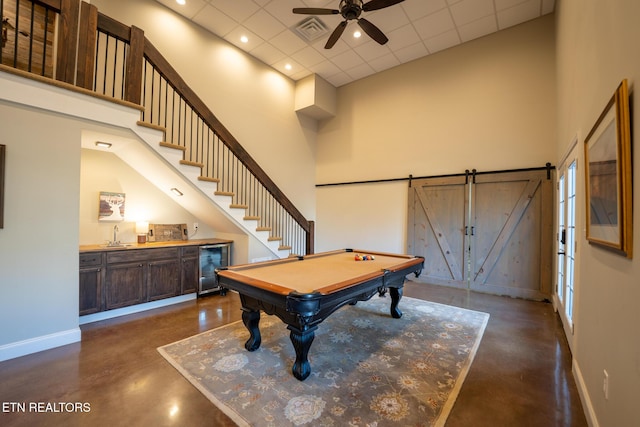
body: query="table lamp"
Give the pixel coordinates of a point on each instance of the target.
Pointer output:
(142, 229)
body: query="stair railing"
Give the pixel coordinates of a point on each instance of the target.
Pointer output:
(118, 61)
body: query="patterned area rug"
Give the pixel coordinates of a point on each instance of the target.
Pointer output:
(367, 369)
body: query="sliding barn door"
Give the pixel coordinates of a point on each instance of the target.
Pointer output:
(437, 221)
(491, 233)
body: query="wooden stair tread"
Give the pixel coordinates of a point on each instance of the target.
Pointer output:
(190, 163)
(238, 206)
(224, 193)
(151, 126)
(173, 146)
(284, 248)
(208, 179)
(274, 238)
(263, 228)
(251, 218)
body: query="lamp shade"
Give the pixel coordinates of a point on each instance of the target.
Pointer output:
(142, 227)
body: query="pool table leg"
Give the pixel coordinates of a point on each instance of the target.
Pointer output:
(301, 343)
(396, 294)
(251, 320)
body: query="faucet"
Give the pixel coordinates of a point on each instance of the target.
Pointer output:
(115, 234)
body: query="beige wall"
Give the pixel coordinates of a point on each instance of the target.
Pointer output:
(488, 105)
(102, 171)
(39, 241)
(597, 47)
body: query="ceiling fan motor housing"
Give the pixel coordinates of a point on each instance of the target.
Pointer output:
(350, 9)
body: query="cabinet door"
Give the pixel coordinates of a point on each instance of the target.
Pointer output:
(163, 279)
(189, 279)
(124, 285)
(90, 290)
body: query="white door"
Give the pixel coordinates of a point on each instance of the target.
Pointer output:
(566, 235)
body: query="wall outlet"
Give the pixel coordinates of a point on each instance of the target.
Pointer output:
(195, 226)
(605, 385)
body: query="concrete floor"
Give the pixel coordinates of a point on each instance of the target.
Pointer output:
(521, 375)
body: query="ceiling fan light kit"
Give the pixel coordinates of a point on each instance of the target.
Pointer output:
(351, 10)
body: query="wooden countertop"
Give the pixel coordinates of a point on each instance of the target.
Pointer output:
(151, 245)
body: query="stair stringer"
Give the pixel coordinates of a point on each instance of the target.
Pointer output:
(152, 137)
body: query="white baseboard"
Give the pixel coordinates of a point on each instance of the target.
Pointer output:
(34, 345)
(589, 412)
(110, 314)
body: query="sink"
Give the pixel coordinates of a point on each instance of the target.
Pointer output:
(116, 245)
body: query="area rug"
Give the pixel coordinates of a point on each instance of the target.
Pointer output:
(367, 368)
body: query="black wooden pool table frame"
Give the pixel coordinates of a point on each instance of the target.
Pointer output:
(303, 312)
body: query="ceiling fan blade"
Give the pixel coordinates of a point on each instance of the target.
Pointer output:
(315, 11)
(333, 38)
(379, 4)
(373, 31)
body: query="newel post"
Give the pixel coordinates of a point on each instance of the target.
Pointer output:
(133, 72)
(311, 238)
(86, 45)
(67, 37)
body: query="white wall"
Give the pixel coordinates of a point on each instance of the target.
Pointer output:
(597, 46)
(488, 104)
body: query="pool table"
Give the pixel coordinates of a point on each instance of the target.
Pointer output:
(303, 291)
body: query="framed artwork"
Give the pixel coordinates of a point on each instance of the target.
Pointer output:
(608, 176)
(3, 149)
(111, 207)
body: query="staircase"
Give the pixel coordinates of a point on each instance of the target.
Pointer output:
(97, 53)
(223, 200)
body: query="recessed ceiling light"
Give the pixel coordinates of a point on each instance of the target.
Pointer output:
(288, 66)
(357, 34)
(244, 39)
(103, 144)
(181, 2)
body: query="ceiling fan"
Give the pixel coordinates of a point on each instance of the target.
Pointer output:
(351, 9)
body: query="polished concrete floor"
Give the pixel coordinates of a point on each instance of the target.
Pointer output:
(521, 375)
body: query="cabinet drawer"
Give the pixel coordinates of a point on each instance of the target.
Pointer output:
(139, 255)
(190, 251)
(90, 259)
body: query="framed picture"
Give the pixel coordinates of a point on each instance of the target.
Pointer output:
(111, 207)
(3, 149)
(608, 176)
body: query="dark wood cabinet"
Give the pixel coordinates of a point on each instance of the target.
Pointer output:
(189, 270)
(163, 279)
(91, 281)
(124, 285)
(115, 278)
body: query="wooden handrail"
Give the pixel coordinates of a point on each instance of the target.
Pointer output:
(230, 141)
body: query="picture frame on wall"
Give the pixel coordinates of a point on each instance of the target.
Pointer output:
(111, 207)
(608, 175)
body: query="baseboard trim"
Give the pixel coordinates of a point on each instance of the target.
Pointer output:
(110, 314)
(37, 344)
(589, 412)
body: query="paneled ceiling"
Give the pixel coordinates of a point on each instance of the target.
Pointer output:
(415, 28)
